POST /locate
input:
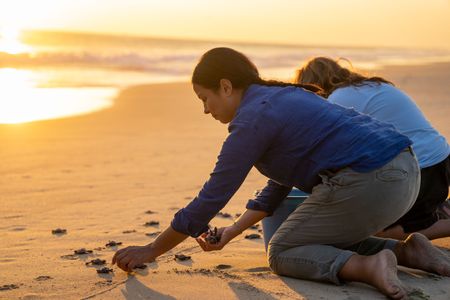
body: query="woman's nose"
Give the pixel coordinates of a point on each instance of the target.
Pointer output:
(205, 109)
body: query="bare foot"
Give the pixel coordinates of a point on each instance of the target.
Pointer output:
(419, 253)
(379, 270)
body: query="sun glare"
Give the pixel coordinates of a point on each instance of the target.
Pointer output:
(21, 100)
(10, 41)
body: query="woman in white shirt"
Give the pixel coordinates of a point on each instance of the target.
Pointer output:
(381, 100)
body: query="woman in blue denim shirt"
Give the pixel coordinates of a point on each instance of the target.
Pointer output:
(361, 173)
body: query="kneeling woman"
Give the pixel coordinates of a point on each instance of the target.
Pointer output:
(362, 176)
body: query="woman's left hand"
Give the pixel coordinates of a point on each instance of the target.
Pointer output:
(130, 257)
(226, 234)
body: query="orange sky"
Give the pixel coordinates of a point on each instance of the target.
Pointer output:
(405, 23)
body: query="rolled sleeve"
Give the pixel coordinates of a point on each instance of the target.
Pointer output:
(269, 198)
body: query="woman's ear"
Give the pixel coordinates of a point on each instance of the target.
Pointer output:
(226, 87)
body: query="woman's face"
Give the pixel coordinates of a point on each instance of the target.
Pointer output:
(221, 104)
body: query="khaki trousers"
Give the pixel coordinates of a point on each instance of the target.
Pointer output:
(340, 217)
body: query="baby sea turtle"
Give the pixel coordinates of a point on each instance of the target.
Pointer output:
(222, 267)
(96, 262)
(181, 257)
(105, 270)
(252, 236)
(113, 244)
(59, 231)
(150, 212)
(212, 236)
(82, 251)
(151, 223)
(223, 215)
(128, 231)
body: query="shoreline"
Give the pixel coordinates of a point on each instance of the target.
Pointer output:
(394, 70)
(96, 175)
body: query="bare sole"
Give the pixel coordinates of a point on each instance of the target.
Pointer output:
(419, 253)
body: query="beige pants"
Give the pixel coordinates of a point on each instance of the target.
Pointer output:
(340, 216)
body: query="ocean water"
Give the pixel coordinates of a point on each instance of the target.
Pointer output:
(47, 75)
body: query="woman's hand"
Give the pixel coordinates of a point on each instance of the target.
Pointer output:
(225, 234)
(130, 257)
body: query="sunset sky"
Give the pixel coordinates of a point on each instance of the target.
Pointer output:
(405, 23)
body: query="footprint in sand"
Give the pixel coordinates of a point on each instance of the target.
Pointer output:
(418, 294)
(70, 257)
(43, 278)
(153, 234)
(104, 283)
(19, 228)
(13, 217)
(8, 287)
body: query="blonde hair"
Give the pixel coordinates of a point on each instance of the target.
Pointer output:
(330, 75)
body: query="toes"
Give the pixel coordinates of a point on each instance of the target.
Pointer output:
(399, 293)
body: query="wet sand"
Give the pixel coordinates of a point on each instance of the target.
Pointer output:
(97, 175)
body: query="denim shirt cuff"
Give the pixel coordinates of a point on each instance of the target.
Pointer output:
(256, 205)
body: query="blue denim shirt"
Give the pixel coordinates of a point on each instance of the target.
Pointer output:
(290, 135)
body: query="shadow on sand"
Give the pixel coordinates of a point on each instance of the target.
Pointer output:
(135, 290)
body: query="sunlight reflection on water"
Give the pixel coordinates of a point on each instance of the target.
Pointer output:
(22, 100)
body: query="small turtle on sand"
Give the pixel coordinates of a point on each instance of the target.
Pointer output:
(82, 251)
(256, 226)
(59, 231)
(252, 236)
(113, 244)
(223, 215)
(222, 267)
(96, 262)
(181, 257)
(150, 212)
(151, 223)
(105, 270)
(212, 236)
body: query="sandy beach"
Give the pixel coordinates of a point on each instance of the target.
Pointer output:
(97, 175)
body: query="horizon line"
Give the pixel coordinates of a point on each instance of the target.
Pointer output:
(200, 40)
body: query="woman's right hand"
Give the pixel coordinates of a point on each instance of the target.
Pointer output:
(226, 234)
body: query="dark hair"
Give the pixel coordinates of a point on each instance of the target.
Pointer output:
(329, 75)
(226, 63)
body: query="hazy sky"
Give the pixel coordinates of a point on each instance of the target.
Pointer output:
(407, 23)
